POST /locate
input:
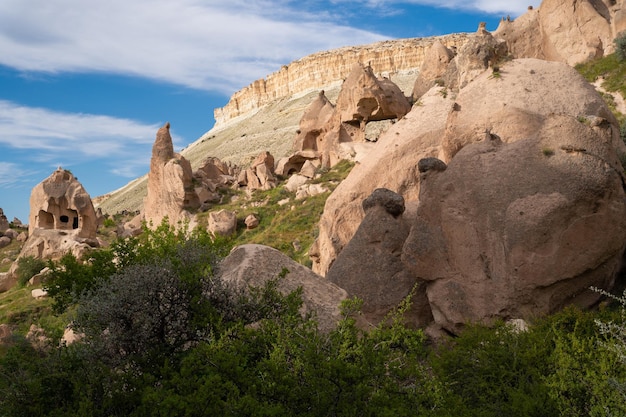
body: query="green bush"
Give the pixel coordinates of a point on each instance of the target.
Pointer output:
(620, 46)
(27, 267)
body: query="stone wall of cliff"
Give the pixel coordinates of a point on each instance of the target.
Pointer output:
(323, 69)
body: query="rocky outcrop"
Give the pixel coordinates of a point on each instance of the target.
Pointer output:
(61, 203)
(324, 69)
(255, 265)
(260, 175)
(370, 266)
(332, 133)
(4, 222)
(522, 173)
(570, 33)
(495, 244)
(170, 183)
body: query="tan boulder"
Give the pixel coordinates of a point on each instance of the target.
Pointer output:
(255, 265)
(4, 241)
(170, 183)
(61, 203)
(252, 221)
(515, 105)
(260, 175)
(223, 222)
(293, 163)
(520, 229)
(11, 234)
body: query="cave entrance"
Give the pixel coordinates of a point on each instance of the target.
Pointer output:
(46, 220)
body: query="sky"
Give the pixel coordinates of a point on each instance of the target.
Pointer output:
(86, 84)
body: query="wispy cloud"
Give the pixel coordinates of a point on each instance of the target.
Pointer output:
(13, 175)
(54, 138)
(211, 45)
(512, 7)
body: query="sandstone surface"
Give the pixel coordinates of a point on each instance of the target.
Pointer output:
(170, 183)
(61, 203)
(255, 265)
(4, 222)
(321, 70)
(571, 32)
(527, 174)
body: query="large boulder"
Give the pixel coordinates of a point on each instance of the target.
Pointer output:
(254, 265)
(222, 222)
(61, 203)
(521, 229)
(370, 266)
(313, 123)
(170, 183)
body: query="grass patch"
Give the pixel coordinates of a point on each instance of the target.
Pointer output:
(19, 310)
(610, 68)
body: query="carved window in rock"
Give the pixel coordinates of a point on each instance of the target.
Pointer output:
(45, 220)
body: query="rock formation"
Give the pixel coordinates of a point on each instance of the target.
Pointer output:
(255, 265)
(61, 203)
(370, 266)
(260, 175)
(331, 133)
(170, 183)
(572, 33)
(4, 222)
(62, 220)
(523, 172)
(324, 69)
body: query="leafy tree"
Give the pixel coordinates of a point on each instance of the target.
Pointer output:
(27, 267)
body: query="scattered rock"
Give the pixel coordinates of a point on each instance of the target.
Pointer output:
(39, 293)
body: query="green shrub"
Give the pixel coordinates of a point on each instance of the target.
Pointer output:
(620, 46)
(27, 267)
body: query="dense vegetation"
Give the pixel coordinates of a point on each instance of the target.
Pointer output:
(163, 335)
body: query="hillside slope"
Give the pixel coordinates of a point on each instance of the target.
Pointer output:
(245, 130)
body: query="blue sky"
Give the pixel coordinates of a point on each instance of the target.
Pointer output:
(86, 84)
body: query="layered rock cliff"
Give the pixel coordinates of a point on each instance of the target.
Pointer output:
(323, 69)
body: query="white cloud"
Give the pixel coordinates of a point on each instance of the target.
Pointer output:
(48, 137)
(512, 7)
(212, 45)
(13, 175)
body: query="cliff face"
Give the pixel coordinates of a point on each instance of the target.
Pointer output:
(317, 71)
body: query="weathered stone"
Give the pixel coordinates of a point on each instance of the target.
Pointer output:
(393, 203)
(39, 293)
(11, 234)
(61, 203)
(39, 278)
(251, 221)
(294, 182)
(433, 69)
(170, 184)
(4, 222)
(370, 267)
(4, 241)
(223, 222)
(255, 265)
(431, 164)
(22, 237)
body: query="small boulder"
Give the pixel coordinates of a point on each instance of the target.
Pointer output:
(223, 222)
(252, 221)
(4, 241)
